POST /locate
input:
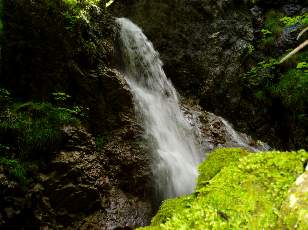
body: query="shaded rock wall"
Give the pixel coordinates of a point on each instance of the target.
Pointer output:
(207, 47)
(49, 48)
(83, 187)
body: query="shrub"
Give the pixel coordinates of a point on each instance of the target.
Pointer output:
(262, 74)
(292, 88)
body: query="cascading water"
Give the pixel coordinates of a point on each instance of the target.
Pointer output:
(168, 134)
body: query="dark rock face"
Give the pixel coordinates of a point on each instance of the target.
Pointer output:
(46, 50)
(202, 44)
(207, 47)
(83, 188)
(214, 132)
(189, 40)
(122, 213)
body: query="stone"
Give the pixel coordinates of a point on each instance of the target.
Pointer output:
(294, 211)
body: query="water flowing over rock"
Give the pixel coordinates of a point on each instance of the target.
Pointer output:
(157, 105)
(213, 131)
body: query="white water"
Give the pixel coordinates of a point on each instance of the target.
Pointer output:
(168, 134)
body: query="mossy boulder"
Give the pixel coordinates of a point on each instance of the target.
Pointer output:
(217, 161)
(246, 191)
(294, 211)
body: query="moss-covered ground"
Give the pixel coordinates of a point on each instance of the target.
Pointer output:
(236, 190)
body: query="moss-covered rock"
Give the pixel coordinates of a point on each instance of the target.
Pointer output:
(243, 192)
(294, 211)
(216, 161)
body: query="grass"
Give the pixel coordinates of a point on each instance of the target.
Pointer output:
(273, 27)
(246, 193)
(273, 23)
(15, 169)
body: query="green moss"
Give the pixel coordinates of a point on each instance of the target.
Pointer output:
(243, 195)
(216, 161)
(34, 129)
(171, 206)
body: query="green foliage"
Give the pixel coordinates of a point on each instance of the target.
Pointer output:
(260, 95)
(34, 129)
(290, 21)
(261, 74)
(100, 142)
(245, 194)
(171, 206)
(266, 33)
(77, 10)
(302, 65)
(15, 169)
(251, 49)
(272, 28)
(61, 100)
(61, 96)
(273, 23)
(292, 88)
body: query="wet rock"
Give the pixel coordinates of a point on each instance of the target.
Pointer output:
(84, 186)
(203, 45)
(123, 212)
(288, 37)
(291, 9)
(213, 131)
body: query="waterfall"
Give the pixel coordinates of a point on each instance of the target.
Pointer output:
(167, 132)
